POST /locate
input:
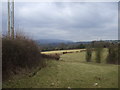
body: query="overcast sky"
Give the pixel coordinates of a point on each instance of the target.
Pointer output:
(80, 21)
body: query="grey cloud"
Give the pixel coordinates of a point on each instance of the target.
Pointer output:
(73, 21)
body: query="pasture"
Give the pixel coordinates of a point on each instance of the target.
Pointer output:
(71, 71)
(61, 51)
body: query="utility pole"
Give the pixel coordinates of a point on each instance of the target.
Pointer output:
(8, 19)
(11, 19)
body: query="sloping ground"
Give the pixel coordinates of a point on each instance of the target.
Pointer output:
(70, 72)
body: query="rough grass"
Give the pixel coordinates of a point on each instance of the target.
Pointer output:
(71, 71)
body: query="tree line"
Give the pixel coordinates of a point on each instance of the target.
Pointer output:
(61, 46)
(76, 45)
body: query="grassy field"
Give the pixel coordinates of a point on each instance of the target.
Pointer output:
(71, 71)
(61, 51)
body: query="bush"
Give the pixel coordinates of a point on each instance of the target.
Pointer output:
(51, 56)
(98, 54)
(98, 51)
(113, 52)
(88, 54)
(19, 53)
(118, 53)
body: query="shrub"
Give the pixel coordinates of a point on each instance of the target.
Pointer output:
(51, 56)
(113, 52)
(98, 51)
(88, 54)
(98, 54)
(118, 53)
(19, 53)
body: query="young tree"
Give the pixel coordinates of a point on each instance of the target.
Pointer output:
(113, 52)
(98, 52)
(88, 54)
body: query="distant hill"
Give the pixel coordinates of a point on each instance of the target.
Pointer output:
(83, 42)
(52, 41)
(58, 41)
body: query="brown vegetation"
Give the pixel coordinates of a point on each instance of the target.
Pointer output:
(51, 56)
(19, 53)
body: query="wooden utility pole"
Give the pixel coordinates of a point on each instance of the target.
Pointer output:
(8, 18)
(11, 19)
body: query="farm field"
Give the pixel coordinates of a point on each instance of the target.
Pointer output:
(71, 71)
(61, 51)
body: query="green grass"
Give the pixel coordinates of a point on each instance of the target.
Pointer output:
(71, 71)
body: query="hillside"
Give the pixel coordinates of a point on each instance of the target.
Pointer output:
(72, 71)
(52, 41)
